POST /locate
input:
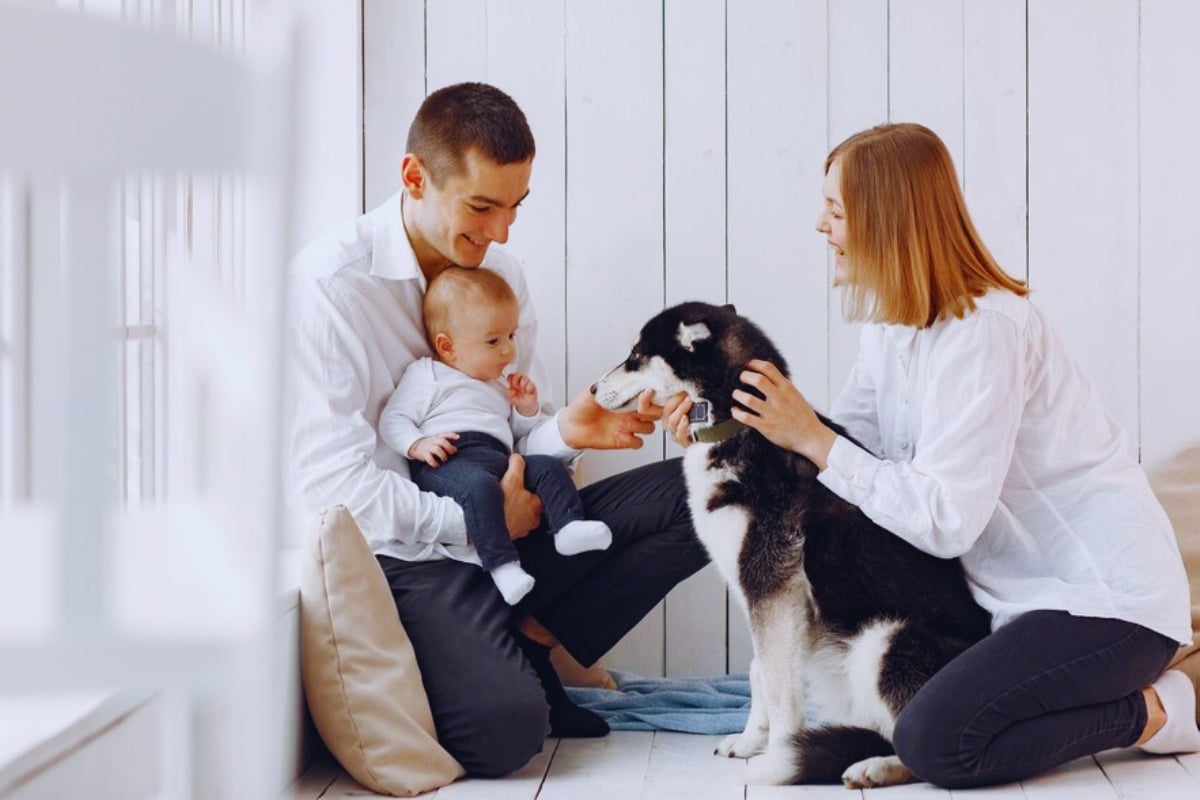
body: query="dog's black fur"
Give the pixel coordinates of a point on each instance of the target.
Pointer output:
(857, 573)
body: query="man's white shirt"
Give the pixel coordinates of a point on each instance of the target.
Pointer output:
(354, 325)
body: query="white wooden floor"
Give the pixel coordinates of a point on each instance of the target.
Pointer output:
(674, 766)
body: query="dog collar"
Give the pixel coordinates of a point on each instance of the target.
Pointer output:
(717, 433)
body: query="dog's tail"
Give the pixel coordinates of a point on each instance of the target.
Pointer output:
(823, 754)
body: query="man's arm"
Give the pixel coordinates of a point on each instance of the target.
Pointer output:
(581, 424)
(332, 445)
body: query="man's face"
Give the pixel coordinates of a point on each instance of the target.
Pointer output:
(456, 222)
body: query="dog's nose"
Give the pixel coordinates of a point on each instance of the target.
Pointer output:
(593, 388)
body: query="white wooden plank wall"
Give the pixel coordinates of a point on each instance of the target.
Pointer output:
(680, 155)
(1083, 185)
(694, 215)
(1169, 191)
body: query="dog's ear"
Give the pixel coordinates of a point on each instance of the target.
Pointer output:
(729, 307)
(690, 334)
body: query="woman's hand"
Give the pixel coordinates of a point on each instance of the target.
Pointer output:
(675, 418)
(784, 416)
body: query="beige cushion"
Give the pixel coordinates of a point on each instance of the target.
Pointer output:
(360, 674)
(1177, 485)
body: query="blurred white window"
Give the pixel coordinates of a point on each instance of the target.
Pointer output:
(202, 215)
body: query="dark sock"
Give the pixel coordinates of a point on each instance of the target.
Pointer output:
(567, 720)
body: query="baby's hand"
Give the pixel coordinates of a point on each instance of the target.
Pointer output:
(433, 450)
(523, 394)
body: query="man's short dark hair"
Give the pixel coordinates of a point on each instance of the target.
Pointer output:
(457, 118)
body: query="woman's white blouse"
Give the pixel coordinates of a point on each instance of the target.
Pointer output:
(992, 445)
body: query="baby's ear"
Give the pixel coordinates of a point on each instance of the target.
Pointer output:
(443, 347)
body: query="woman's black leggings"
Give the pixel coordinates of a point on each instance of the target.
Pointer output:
(1044, 689)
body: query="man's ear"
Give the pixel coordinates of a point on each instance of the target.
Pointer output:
(413, 176)
(443, 345)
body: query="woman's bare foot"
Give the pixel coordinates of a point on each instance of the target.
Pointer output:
(1156, 715)
(1171, 703)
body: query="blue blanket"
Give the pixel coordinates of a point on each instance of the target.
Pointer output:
(688, 705)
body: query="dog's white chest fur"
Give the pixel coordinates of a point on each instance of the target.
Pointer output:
(723, 531)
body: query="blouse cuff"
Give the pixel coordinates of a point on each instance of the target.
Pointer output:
(849, 472)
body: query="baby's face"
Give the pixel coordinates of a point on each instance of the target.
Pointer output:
(485, 338)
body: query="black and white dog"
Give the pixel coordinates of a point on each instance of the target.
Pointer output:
(833, 600)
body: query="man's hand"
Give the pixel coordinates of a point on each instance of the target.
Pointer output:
(433, 450)
(522, 508)
(675, 419)
(523, 394)
(584, 425)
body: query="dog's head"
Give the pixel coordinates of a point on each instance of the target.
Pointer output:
(696, 348)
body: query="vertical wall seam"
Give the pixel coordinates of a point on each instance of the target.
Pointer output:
(725, 123)
(362, 103)
(1027, 150)
(725, 145)
(1140, 282)
(962, 38)
(566, 252)
(888, 48)
(663, 200)
(662, 439)
(828, 147)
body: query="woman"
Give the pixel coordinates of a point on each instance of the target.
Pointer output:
(985, 441)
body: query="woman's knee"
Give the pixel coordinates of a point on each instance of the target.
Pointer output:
(506, 729)
(930, 752)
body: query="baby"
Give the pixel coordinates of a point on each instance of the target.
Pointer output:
(456, 416)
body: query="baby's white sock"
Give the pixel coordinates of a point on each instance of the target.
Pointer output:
(512, 581)
(1179, 734)
(582, 535)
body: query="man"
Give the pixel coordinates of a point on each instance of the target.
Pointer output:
(357, 324)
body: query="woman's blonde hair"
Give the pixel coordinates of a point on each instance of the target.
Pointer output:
(461, 290)
(914, 256)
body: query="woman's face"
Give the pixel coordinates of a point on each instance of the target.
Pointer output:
(832, 220)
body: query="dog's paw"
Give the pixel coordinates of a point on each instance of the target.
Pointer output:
(743, 745)
(877, 771)
(772, 768)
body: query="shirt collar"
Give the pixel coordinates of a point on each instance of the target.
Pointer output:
(392, 255)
